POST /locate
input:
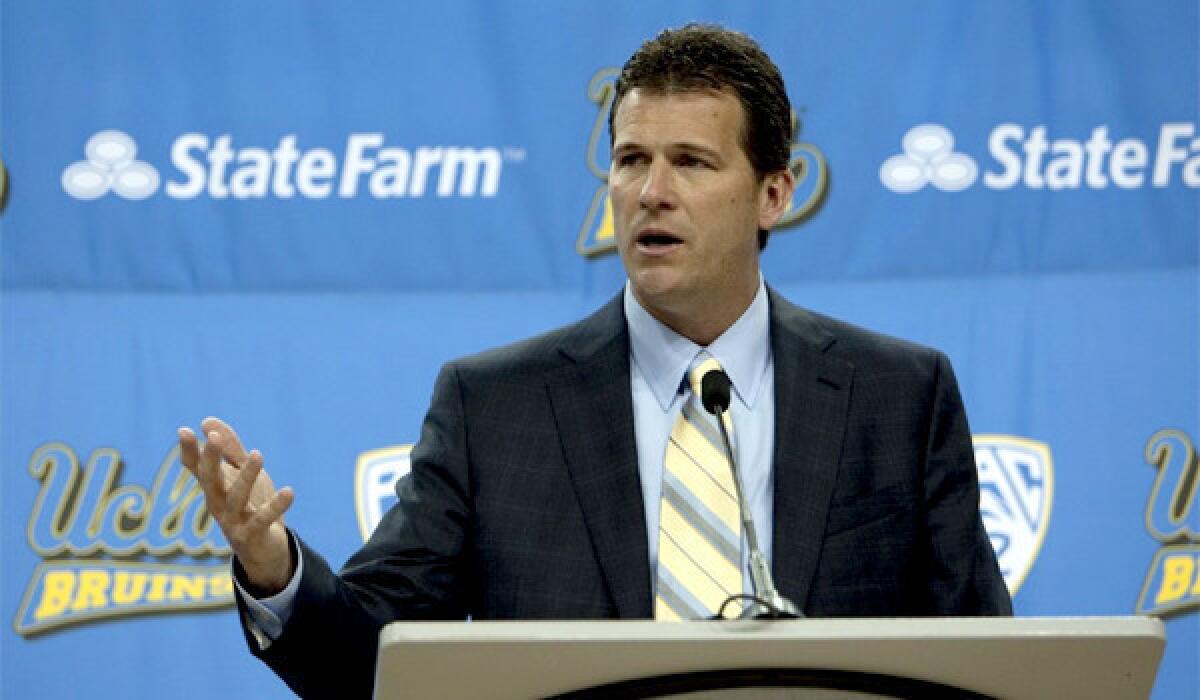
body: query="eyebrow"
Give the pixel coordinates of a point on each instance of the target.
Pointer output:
(686, 146)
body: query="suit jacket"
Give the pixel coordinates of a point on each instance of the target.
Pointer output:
(524, 499)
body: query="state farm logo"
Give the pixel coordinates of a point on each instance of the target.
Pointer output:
(110, 166)
(928, 158)
(1031, 159)
(219, 169)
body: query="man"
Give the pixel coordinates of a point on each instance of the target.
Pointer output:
(538, 488)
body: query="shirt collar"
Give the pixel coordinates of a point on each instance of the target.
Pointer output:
(663, 356)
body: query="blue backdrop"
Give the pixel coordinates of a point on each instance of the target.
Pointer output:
(290, 214)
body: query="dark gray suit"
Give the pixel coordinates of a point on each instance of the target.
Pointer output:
(525, 501)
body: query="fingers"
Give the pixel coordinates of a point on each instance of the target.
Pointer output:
(208, 473)
(189, 449)
(274, 509)
(232, 502)
(262, 514)
(239, 491)
(235, 453)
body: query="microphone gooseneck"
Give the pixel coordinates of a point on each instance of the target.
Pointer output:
(768, 603)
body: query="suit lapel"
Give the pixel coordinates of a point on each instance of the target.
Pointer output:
(591, 401)
(812, 391)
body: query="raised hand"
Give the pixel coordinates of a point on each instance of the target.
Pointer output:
(243, 500)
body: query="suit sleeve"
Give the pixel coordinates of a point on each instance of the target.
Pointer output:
(411, 568)
(963, 576)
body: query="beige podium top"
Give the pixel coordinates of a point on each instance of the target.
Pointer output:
(1086, 658)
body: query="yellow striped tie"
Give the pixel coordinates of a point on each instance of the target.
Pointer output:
(700, 528)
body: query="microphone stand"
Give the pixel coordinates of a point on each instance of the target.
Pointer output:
(767, 602)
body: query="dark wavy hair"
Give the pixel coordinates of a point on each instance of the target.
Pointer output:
(709, 57)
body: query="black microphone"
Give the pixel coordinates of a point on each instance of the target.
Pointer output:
(768, 603)
(714, 391)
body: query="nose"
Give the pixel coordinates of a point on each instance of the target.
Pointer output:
(657, 189)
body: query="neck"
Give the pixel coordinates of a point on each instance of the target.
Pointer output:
(703, 321)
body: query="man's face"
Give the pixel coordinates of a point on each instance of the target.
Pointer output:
(687, 203)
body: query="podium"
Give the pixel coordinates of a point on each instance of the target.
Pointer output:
(1063, 658)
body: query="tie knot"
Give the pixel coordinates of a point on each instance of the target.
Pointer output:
(702, 365)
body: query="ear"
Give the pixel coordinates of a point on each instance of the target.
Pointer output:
(775, 196)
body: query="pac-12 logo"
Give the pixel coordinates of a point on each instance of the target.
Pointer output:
(597, 235)
(1172, 584)
(111, 549)
(1016, 492)
(375, 477)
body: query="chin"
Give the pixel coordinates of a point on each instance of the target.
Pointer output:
(658, 293)
(652, 282)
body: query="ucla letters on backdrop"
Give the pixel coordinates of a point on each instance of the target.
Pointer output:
(110, 549)
(1172, 584)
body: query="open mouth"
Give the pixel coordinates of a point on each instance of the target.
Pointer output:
(657, 241)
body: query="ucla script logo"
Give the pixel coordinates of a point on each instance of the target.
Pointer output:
(597, 234)
(1172, 584)
(1016, 492)
(110, 549)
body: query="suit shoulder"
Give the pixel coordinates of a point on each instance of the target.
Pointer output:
(547, 351)
(860, 347)
(893, 369)
(872, 352)
(530, 354)
(857, 340)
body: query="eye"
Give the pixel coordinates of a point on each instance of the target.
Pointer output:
(687, 160)
(630, 158)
